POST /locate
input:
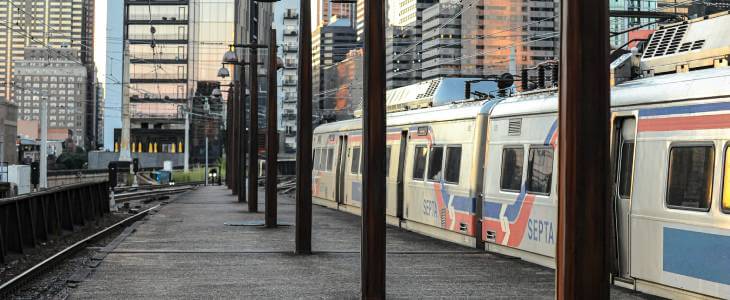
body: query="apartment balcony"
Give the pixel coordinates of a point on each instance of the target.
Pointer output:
(137, 116)
(157, 98)
(162, 19)
(292, 48)
(288, 115)
(290, 33)
(157, 78)
(156, 2)
(146, 38)
(291, 14)
(158, 58)
(291, 64)
(289, 82)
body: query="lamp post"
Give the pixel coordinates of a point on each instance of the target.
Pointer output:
(238, 144)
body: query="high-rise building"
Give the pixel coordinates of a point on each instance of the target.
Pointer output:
(173, 46)
(287, 25)
(52, 75)
(404, 44)
(157, 37)
(441, 43)
(326, 11)
(43, 23)
(403, 52)
(54, 24)
(8, 131)
(345, 80)
(496, 31)
(330, 45)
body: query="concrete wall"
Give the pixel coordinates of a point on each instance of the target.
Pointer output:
(101, 159)
(54, 181)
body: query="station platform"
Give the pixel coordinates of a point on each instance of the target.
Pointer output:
(186, 250)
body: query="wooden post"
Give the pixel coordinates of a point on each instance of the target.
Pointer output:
(253, 150)
(582, 271)
(303, 235)
(372, 261)
(272, 142)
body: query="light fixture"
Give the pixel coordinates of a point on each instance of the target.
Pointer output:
(223, 72)
(230, 57)
(216, 92)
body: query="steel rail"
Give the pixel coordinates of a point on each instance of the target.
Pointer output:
(15, 283)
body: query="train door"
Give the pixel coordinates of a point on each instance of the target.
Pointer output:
(623, 148)
(341, 163)
(401, 171)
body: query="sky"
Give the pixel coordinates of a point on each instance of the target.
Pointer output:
(107, 55)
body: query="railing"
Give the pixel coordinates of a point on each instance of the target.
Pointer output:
(153, 76)
(290, 14)
(159, 37)
(144, 115)
(151, 56)
(156, 17)
(32, 219)
(289, 82)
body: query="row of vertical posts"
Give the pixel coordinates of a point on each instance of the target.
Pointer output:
(28, 220)
(583, 138)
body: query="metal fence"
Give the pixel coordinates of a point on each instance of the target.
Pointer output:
(28, 220)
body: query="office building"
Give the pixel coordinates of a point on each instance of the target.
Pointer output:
(330, 45)
(173, 46)
(48, 23)
(51, 75)
(345, 80)
(287, 25)
(441, 41)
(8, 132)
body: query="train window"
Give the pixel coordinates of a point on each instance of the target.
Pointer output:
(330, 158)
(626, 169)
(726, 183)
(540, 170)
(453, 164)
(315, 160)
(387, 161)
(512, 161)
(435, 164)
(419, 167)
(690, 177)
(355, 167)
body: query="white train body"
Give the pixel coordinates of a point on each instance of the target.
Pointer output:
(485, 174)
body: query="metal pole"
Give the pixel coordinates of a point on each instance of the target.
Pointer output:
(253, 155)
(206, 160)
(124, 153)
(235, 137)
(229, 139)
(272, 142)
(44, 143)
(582, 270)
(303, 234)
(186, 156)
(372, 262)
(241, 168)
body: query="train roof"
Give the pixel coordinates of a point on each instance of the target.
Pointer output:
(646, 91)
(454, 111)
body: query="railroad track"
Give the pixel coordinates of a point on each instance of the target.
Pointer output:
(12, 285)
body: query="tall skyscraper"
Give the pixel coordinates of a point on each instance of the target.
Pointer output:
(157, 37)
(47, 23)
(330, 45)
(287, 25)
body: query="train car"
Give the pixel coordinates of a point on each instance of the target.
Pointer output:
(670, 158)
(433, 161)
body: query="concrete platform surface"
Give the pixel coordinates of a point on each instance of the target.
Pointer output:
(186, 251)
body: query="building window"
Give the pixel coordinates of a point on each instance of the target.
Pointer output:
(330, 158)
(689, 184)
